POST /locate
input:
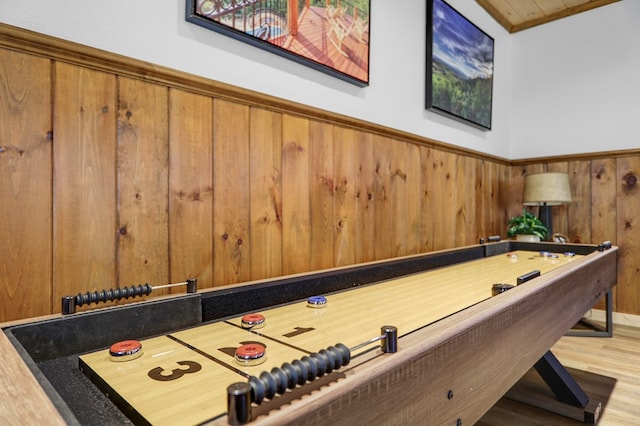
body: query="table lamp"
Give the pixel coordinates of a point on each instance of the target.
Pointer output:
(546, 190)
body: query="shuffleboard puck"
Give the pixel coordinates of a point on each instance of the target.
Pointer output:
(253, 321)
(317, 302)
(126, 350)
(250, 354)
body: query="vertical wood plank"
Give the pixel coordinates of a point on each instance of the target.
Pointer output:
(559, 213)
(516, 188)
(84, 156)
(444, 199)
(365, 210)
(628, 206)
(265, 157)
(295, 195)
(465, 179)
(322, 190)
(143, 168)
(345, 196)
(398, 198)
(602, 210)
(481, 214)
(191, 187)
(231, 215)
(493, 199)
(579, 210)
(25, 173)
(500, 199)
(427, 208)
(414, 199)
(382, 198)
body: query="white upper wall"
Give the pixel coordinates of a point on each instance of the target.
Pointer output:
(576, 84)
(156, 32)
(566, 87)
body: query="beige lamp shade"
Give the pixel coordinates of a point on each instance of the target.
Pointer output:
(551, 189)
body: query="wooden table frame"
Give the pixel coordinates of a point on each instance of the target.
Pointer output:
(450, 372)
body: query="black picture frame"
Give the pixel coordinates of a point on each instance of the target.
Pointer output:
(460, 59)
(329, 36)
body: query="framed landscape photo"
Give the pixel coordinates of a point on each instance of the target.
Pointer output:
(459, 66)
(331, 36)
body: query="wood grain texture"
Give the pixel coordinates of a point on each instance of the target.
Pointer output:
(143, 174)
(190, 194)
(296, 213)
(85, 188)
(365, 200)
(427, 208)
(322, 194)
(482, 190)
(155, 400)
(409, 303)
(613, 359)
(501, 214)
(413, 217)
(466, 228)
(84, 181)
(397, 198)
(344, 208)
(383, 232)
(468, 355)
(578, 214)
(22, 400)
(444, 200)
(495, 178)
(519, 15)
(19, 39)
(265, 157)
(628, 206)
(603, 200)
(232, 245)
(25, 192)
(602, 210)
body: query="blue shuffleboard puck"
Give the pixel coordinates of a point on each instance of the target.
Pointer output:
(317, 302)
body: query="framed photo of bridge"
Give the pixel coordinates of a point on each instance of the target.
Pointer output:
(330, 36)
(459, 66)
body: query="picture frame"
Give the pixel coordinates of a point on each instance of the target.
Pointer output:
(460, 58)
(330, 36)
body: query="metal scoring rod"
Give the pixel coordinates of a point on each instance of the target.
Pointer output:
(69, 303)
(241, 395)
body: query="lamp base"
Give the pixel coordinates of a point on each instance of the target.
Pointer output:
(545, 218)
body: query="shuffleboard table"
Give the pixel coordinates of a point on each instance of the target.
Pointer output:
(424, 339)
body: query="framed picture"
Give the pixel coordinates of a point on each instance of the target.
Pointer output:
(331, 36)
(459, 66)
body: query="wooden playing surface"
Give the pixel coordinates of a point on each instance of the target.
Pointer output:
(187, 396)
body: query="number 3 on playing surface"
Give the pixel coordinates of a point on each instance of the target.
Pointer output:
(158, 372)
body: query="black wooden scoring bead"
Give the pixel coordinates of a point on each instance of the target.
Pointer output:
(298, 372)
(113, 294)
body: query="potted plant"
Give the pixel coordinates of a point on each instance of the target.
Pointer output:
(527, 227)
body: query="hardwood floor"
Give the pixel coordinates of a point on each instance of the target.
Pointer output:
(614, 361)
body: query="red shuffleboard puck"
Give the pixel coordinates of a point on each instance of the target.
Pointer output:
(125, 350)
(253, 321)
(251, 354)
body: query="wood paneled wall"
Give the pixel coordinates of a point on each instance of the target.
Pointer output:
(115, 172)
(605, 207)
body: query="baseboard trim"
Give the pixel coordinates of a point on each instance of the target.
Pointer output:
(600, 315)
